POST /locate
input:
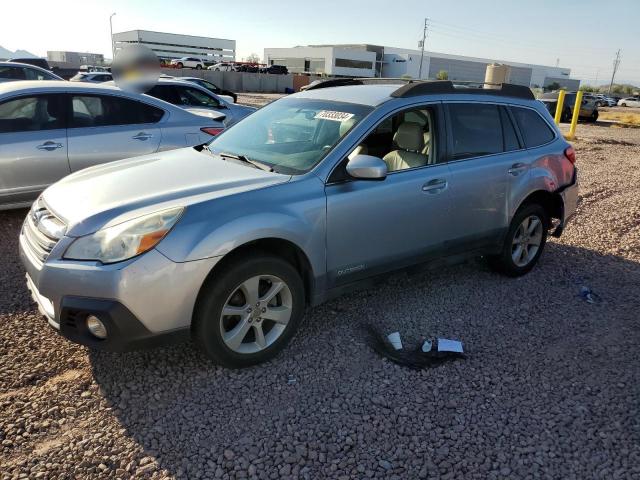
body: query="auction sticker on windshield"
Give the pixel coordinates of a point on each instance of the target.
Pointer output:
(333, 115)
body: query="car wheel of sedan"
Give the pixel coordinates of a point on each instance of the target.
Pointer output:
(594, 116)
(179, 65)
(198, 67)
(248, 311)
(524, 242)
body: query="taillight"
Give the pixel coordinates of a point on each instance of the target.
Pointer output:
(213, 131)
(570, 153)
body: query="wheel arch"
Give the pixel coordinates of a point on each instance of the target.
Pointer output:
(280, 247)
(551, 202)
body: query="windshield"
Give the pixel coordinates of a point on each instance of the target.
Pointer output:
(290, 135)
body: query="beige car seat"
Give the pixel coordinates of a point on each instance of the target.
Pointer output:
(410, 141)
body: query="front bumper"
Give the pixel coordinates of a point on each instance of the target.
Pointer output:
(145, 300)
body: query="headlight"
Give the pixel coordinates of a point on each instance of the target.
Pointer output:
(125, 240)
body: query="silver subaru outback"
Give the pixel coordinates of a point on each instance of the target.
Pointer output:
(311, 196)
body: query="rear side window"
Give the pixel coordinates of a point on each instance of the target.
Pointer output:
(168, 93)
(12, 73)
(534, 129)
(33, 74)
(26, 114)
(100, 111)
(476, 130)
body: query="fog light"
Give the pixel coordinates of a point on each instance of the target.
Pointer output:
(96, 327)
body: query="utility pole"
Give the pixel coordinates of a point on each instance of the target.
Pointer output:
(424, 37)
(113, 48)
(616, 64)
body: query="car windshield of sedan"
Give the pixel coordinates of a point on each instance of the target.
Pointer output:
(290, 135)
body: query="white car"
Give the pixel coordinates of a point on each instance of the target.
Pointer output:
(223, 67)
(188, 62)
(92, 77)
(629, 102)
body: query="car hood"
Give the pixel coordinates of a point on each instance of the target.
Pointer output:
(115, 192)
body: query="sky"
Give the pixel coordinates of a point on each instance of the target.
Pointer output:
(581, 35)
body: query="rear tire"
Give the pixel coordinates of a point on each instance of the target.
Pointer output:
(180, 65)
(566, 116)
(524, 242)
(594, 116)
(258, 323)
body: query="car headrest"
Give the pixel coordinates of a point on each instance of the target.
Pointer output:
(346, 126)
(409, 136)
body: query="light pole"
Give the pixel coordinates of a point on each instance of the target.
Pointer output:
(113, 48)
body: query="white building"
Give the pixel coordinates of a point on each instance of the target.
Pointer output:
(390, 62)
(172, 45)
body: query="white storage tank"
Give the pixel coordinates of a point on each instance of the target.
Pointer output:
(496, 75)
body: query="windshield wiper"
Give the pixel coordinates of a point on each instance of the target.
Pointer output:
(243, 158)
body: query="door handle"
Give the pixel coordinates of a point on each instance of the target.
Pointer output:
(517, 168)
(142, 136)
(49, 146)
(436, 185)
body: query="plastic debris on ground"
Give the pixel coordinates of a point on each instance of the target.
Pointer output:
(588, 295)
(426, 354)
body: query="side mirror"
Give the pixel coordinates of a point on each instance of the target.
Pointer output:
(367, 167)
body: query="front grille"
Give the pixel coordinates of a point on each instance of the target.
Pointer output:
(42, 230)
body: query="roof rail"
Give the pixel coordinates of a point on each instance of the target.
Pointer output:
(414, 88)
(426, 87)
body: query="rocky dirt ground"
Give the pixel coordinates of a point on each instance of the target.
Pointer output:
(550, 387)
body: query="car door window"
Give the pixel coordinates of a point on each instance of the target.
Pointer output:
(476, 130)
(511, 142)
(404, 140)
(193, 97)
(41, 112)
(535, 131)
(101, 110)
(33, 74)
(12, 73)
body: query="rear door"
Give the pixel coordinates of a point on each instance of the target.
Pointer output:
(104, 128)
(33, 146)
(485, 158)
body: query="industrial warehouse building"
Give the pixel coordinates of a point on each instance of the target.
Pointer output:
(168, 46)
(74, 59)
(389, 62)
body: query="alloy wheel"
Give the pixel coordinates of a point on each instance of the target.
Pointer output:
(256, 314)
(526, 241)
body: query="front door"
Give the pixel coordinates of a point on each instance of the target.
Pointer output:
(105, 128)
(379, 226)
(33, 146)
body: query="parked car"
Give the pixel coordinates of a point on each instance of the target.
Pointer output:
(630, 102)
(49, 129)
(37, 62)
(275, 70)
(588, 109)
(188, 62)
(251, 68)
(12, 71)
(93, 68)
(222, 67)
(229, 244)
(198, 100)
(92, 77)
(226, 95)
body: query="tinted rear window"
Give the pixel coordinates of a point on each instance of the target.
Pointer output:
(100, 111)
(534, 129)
(476, 130)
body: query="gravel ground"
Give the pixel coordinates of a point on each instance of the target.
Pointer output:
(550, 387)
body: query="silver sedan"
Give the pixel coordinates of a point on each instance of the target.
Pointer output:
(49, 129)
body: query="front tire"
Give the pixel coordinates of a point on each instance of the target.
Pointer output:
(594, 116)
(198, 67)
(523, 243)
(247, 312)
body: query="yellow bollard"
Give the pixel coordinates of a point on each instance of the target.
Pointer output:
(574, 119)
(559, 106)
